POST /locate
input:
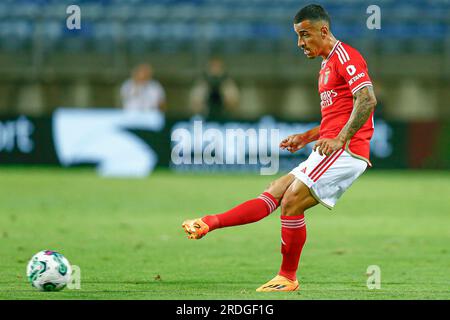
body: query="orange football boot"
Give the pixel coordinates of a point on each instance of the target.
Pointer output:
(196, 229)
(279, 284)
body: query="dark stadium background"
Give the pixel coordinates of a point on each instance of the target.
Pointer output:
(45, 66)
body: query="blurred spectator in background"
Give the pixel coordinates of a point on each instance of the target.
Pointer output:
(142, 92)
(215, 95)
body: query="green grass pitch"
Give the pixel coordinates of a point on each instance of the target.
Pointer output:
(126, 236)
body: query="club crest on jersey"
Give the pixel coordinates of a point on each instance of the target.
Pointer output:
(324, 76)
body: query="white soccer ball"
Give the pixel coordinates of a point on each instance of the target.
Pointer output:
(49, 271)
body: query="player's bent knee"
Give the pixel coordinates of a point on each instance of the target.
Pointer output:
(297, 199)
(292, 205)
(288, 205)
(277, 188)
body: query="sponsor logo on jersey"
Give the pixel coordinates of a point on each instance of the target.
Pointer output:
(351, 69)
(326, 98)
(358, 76)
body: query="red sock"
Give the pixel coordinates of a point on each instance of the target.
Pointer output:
(293, 237)
(247, 212)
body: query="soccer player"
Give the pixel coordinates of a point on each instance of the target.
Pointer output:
(339, 157)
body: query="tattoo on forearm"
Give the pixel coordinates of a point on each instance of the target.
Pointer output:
(364, 103)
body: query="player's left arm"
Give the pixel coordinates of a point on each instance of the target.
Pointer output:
(363, 106)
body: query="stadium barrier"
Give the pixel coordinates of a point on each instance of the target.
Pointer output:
(119, 143)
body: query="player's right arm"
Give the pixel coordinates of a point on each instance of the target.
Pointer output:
(295, 142)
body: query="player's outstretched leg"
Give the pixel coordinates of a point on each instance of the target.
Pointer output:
(247, 212)
(293, 236)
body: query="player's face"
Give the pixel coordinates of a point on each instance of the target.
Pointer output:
(310, 37)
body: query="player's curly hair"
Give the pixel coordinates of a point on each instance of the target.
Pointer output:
(313, 12)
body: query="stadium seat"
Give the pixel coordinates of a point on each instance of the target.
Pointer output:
(180, 22)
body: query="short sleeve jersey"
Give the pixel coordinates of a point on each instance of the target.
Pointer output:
(342, 74)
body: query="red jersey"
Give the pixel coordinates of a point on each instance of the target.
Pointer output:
(343, 73)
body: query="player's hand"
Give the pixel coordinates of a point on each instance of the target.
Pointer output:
(328, 146)
(294, 142)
